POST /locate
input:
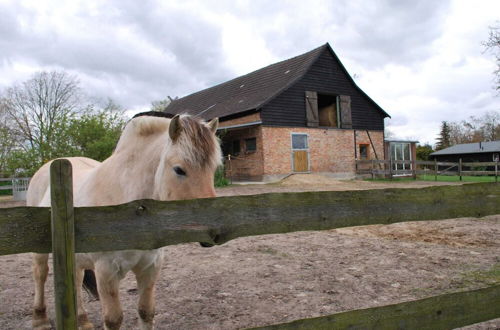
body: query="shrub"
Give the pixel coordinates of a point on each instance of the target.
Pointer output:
(220, 179)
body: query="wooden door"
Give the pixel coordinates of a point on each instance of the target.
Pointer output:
(300, 152)
(300, 161)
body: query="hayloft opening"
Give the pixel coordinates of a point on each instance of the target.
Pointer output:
(328, 110)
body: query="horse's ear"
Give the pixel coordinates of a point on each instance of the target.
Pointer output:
(213, 124)
(174, 130)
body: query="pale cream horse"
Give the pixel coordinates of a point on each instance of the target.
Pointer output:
(156, 158)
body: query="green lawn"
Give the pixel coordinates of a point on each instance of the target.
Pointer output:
(456, 178)
(443, 178)
(5, 192)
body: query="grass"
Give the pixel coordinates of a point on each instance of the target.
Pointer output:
(5, 192)
(482, 278)
(456, 178)
(441, 178)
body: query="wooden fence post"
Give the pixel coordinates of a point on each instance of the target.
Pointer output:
(496, 171)
(435, 170)
(460, 168)
(63, 243)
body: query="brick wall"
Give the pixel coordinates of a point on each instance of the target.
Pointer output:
(330, 150)
(247, 165)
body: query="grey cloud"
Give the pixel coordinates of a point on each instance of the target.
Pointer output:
(187, 49)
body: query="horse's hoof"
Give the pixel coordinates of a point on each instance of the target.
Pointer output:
(206, 245)
(84, 323)
(86, 326)
(42, 324)
(40, 319)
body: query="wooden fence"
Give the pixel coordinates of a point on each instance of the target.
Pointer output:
(18, 186)
(391, 168)
(149, 224)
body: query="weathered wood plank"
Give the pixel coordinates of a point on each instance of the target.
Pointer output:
(479, 164)
(25, 229)
(151, 224)
(447, 311)
(63, 243)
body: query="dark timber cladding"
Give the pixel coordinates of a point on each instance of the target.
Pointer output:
(325, 76)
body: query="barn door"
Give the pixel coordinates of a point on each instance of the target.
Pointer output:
(300, 152)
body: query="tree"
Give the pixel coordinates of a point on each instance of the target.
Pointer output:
(40, 110)
(95, 133)
(475, 129)
(8, 140)
(423, 151)
(444, 136)
(161, 105)
(493, 45)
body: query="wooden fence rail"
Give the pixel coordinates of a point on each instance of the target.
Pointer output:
(148, 224)
(377, 167)
(444, 312)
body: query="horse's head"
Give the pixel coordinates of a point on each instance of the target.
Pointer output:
(189, 161)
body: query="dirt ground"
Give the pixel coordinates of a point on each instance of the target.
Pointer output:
(270, 279)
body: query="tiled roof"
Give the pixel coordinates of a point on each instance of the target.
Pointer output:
(247, 92)
(470, 148)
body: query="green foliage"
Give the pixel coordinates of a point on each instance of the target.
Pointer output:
(95, 133)
(6, 192)
(423, 151)
(219, 179)
(23, 163)
(444, 136)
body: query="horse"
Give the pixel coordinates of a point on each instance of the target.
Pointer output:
(156, 158)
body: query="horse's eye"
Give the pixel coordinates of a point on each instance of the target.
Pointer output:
(179, 171)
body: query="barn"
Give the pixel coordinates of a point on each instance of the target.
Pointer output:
(469, 152)
(301, 115)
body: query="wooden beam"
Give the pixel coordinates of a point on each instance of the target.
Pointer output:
(63, 243)
(447, 311)
(148, 224)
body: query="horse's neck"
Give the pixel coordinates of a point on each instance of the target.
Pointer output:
(125, 176)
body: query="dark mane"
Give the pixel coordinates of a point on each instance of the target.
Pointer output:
(154, 114)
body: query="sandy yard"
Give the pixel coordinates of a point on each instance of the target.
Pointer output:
(272, 279)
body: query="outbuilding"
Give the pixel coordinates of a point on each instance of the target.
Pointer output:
(469, 152)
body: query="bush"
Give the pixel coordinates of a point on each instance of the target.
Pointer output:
(220, 179)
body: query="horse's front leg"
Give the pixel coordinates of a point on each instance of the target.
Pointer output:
(146, 279)
(108, 284)
(40, 271)
(83, 320)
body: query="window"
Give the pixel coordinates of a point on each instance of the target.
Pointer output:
(327, 110)
(496, 157)
(251, 145)
(401, 151)
(363, 151)
(299, 141)
(235, 147)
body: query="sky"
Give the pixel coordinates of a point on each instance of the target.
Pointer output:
(423, 62)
